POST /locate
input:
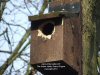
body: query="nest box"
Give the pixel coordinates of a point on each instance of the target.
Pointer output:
(57, 39)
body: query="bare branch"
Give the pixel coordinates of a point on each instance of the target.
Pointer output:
(15, 54)
(28, 70)
(44, 6)
(2, 51)
(3, 32)
(27, 8)
(13, 24)
(24, 60)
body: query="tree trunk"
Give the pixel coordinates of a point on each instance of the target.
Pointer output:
(89, 38)
(97, 19)
(2, 7)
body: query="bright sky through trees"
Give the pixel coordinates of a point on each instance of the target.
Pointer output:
(15, 21)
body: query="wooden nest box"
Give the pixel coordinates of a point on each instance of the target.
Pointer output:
(57, 38)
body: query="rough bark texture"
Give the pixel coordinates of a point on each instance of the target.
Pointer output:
(2, 6)
(97, 19)
(89, 38)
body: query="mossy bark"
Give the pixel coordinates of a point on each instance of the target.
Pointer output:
(89, 38)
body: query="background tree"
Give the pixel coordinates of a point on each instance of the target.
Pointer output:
(91, 38)
(16, 37)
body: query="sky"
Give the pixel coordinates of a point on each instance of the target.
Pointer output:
(16, 14)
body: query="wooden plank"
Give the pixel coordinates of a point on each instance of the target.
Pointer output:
(52, 15)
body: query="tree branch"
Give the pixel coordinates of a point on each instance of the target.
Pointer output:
(28, 70)
(3, 32)
(9, 52)
(15, 54)
(44, 6)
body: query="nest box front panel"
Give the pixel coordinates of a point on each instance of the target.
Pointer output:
(47, 42)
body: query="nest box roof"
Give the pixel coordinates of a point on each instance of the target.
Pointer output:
(52, 15)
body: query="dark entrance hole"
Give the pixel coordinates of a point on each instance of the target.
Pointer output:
(47, 29)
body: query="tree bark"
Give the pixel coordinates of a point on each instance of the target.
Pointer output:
(89, 38)
(2, 7)
(97, 19)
